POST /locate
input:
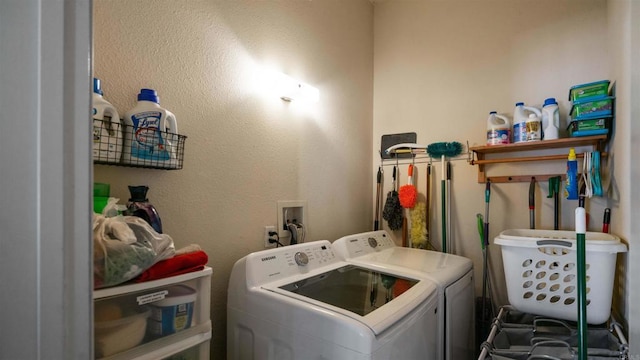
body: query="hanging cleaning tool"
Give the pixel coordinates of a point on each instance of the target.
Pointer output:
(418, 230)
(485, 248)
(554, 190)
(442, 150)
(428, 208)
(443, 191)
(532, 203)
(606, 220)
(595, 173)
(376, 222)
(482, 326)
(581, 230)
(392, 211)
(408, 193)
(449, 232)
(487, 198)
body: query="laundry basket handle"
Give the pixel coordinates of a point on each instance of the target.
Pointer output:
(554, 242)
(538, 321)
(546, 343)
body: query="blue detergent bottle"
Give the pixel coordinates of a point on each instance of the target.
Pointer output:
(150, 133)
(138, 205)
(571, 186)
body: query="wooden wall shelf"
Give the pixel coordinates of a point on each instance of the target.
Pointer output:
(479, 155)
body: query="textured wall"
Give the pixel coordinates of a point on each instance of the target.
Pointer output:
(246, 148)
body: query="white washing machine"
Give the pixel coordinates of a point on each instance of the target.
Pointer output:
(304, 302)
(453, 275)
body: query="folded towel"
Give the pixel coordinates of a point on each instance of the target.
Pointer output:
(179, 264)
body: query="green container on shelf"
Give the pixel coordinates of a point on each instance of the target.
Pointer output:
(101, 189)
(589, 91)
(590, 109)
(590, 127)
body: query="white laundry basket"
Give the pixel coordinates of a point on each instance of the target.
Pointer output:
(540, 269)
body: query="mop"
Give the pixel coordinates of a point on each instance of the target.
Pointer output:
(443, 150)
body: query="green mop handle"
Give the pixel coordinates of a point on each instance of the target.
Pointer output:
(487, 197)
(443, 186)
(581, 228)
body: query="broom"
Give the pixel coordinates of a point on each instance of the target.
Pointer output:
(443, 150)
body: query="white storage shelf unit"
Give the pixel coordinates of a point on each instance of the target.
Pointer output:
(190, 343)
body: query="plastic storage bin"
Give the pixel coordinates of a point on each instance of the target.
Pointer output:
(174, 312)
(118, 327)
(589, 127)
(121, 302)
(540, 268)
(589, 109)
(593, 90)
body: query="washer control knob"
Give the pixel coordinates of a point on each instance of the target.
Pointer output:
(301, 258)
(373, 242)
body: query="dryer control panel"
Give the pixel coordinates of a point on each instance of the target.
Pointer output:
(365, 243)
(275, 264)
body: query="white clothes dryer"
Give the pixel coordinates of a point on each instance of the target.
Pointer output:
(452, 273)
(304, 302)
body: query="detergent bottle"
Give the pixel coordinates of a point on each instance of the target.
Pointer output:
(571, 185)
(520, 117)
(107, 127)
(550, 119)
(138, 205)
(498, 129)
(151, 133)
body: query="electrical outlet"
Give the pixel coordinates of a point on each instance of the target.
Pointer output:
(267, 230)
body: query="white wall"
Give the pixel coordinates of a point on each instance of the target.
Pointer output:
(624, 32)
(441, 66)
(246, 148)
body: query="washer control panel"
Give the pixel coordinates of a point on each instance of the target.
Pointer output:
(273, 264)
(366, 243)
(301, 258)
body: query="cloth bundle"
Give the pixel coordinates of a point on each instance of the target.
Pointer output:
(188, 259)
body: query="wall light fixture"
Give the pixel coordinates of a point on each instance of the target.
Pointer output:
(292, 89)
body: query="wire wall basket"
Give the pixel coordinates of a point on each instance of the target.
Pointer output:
(115, 143)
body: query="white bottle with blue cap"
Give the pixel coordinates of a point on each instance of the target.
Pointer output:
(550, 119)
(151, 133)
(107, 128)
